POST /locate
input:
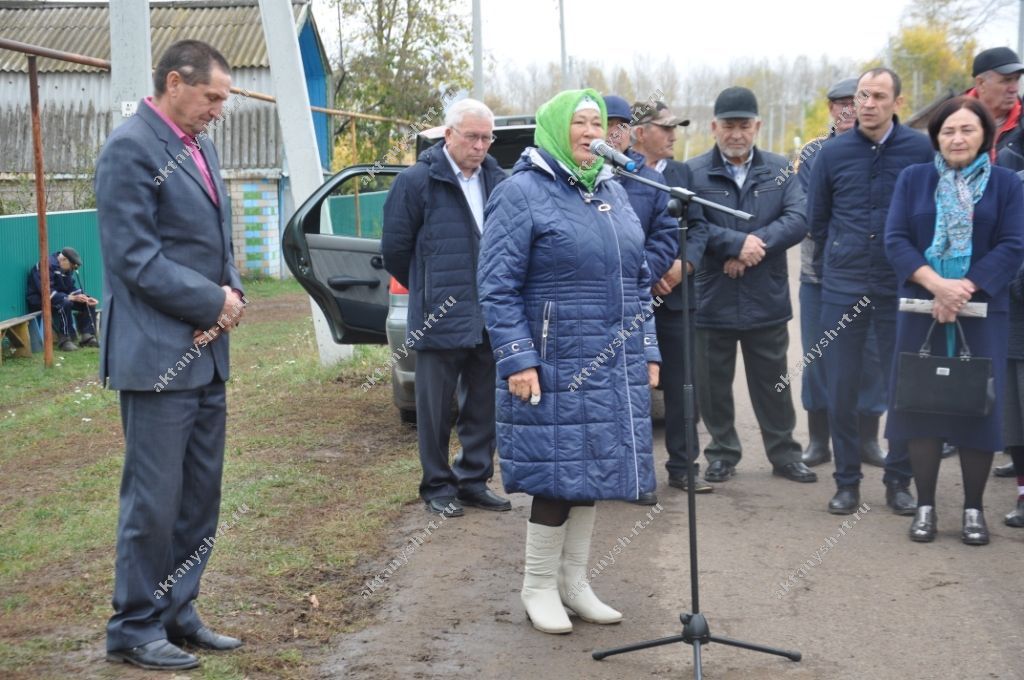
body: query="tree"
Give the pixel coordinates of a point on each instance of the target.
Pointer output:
(400, 57)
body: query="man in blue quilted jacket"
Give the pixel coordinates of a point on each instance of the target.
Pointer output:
(743, 295)
(433, 221)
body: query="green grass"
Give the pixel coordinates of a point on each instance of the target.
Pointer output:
(323, 467)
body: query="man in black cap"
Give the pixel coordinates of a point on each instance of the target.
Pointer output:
(997, 74)
(71, 306)
(654, 133)
(743, 289)
(871, 397)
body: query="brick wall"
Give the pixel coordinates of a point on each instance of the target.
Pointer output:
(254, 214)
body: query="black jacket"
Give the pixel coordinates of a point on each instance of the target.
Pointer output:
(430, 244)
(760, 298)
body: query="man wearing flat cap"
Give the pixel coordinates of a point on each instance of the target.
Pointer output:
(743, 289)
(72, 308)
(871, 397)
(654, 131)
(996, 75)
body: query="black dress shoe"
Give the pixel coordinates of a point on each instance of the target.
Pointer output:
(449, 506)
(796, 472)
(204, 638)
(485, 500)
(1004, 470)
(698, 485)
(898, 498)
(845, 501)
(1016, 518)
(649, 498)
(719, 471)
(158, 655)
(922, 529)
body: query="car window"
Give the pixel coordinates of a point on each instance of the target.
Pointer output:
(355, 206)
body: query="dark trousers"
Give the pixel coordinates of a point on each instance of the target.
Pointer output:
(843, 360)
(764, 359)
(170, 499)
(439, 374)
(871, 395)
(669, 326)
(84, 318)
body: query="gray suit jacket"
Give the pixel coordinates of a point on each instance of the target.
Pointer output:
(166, 253)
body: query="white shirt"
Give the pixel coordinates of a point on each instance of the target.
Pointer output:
(660, 165)
(472, 189)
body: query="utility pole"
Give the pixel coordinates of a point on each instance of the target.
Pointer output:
(1020, 28)
(565, 60)
(130, 57)
(478, 53)
(298, 136)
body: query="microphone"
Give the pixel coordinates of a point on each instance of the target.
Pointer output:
(601, 148)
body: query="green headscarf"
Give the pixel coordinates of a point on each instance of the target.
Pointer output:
(552, 133)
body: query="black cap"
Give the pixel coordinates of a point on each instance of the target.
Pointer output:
(1002, 60)
(72, 256)
(844, 89)
(736, 102)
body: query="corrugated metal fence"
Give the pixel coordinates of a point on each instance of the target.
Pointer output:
(20, 252)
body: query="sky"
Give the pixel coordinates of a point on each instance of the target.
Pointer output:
(525, 31)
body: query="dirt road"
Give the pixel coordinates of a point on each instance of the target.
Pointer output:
(874, 605)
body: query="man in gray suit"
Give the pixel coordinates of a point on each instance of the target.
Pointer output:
(172, 293)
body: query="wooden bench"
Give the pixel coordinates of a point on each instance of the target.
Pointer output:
(19, 332)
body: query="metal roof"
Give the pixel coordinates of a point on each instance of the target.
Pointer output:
(232, 26)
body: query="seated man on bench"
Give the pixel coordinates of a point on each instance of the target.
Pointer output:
(66, 299)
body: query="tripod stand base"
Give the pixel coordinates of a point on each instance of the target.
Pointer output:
(696, 633)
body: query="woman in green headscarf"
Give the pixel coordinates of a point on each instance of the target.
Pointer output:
(565, 291)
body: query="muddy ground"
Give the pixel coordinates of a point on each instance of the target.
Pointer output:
(876, 606)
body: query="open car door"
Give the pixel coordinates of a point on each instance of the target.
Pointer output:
(332, 247)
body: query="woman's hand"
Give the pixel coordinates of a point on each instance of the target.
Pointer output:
(653, 373)
(950, 297)
(524, 384)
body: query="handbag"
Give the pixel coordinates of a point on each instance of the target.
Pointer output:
(937, 385)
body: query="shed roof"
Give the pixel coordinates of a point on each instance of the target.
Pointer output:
(232, 26)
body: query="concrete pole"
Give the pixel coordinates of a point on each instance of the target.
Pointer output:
(565, 60)
(1020, 28)
(298, 136)
(478, 53)
(131, 63)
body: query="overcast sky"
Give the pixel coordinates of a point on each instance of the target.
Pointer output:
(618, 31)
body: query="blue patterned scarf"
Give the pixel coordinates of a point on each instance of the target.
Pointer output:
(955, 196)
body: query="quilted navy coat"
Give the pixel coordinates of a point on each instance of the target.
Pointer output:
(565, 288)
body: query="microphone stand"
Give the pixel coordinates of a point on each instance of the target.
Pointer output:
(695, 626)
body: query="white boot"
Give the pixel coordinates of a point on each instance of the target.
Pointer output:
(573, 586)
(540, 588)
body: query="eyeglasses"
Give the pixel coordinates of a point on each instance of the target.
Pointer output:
(486, 140)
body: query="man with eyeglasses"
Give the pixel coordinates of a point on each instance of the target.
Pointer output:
(433, 221)
(871, 395)
(71, 306)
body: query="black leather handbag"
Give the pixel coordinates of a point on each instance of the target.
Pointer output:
(949, 386)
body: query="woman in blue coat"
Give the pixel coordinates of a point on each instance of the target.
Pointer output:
(566, 297)
(955, 234)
